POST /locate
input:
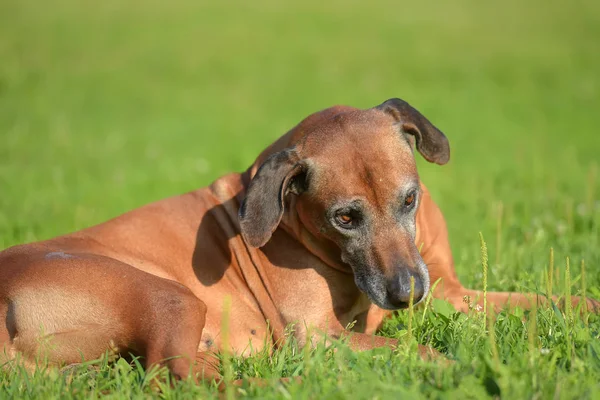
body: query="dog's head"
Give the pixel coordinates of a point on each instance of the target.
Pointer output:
(351, 181)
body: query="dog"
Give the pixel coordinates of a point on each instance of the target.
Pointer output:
(329, 226)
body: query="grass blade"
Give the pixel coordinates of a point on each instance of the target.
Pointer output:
(484, 264)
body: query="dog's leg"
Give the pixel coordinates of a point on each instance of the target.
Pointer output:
(174, 332)
(357, 342)
(465, 299)
(70, 308)
(435, 250)
(362, 342)
(441, 266)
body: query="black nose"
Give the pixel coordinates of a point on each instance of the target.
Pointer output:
(398, 289)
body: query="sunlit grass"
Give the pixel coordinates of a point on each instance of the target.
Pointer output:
(105, 106)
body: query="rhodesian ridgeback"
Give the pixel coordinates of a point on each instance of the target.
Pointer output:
(327, 227)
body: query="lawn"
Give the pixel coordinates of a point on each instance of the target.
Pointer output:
(106, 106)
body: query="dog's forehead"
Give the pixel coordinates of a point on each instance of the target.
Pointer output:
(366, 131)
(360, 154)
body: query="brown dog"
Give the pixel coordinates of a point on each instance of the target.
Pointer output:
(322, 230)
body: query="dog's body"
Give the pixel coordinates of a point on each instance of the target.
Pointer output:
(154, 281)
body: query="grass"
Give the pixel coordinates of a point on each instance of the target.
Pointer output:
(109, 105)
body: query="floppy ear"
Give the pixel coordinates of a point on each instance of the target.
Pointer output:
(262, 209)
(431, 142)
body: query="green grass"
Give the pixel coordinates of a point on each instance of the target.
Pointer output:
(105, 106)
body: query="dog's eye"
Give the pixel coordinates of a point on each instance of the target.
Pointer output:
(345, 219)
(409, 201)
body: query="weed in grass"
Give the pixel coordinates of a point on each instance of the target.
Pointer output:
(484, 264)
(584, 294)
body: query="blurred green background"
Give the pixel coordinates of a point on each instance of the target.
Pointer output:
(105, 106)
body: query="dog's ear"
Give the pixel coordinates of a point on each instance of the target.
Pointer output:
(431, 142)
(262, 209)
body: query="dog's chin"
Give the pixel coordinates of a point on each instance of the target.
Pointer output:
(377, 295)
